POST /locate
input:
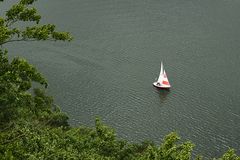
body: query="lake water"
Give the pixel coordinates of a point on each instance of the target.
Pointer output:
(118, 45)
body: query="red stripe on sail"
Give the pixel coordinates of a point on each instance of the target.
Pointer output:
(165, 82)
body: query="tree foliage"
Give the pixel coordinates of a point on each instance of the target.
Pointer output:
(34, 141)
(17, 76)
(24, 12)
(37, 141)
(33, 127)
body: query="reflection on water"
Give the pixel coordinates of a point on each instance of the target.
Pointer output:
(163, 94)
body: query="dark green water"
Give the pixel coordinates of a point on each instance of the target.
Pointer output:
(109, 68)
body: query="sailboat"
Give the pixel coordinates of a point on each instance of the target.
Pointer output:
(162, 81)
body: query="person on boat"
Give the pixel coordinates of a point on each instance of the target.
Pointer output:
(158, 84)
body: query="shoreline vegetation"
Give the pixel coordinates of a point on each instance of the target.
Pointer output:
(33, 127)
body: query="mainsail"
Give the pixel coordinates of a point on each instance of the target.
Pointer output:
(165, 79)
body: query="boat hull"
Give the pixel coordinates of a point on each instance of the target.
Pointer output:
(156, 84)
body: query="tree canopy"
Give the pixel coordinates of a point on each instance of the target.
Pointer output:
(24, 12)
(16, 77)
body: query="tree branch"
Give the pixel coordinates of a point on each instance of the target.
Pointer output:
(26, 40)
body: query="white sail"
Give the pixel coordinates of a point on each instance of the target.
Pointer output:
(162, 81)
(160, 74)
